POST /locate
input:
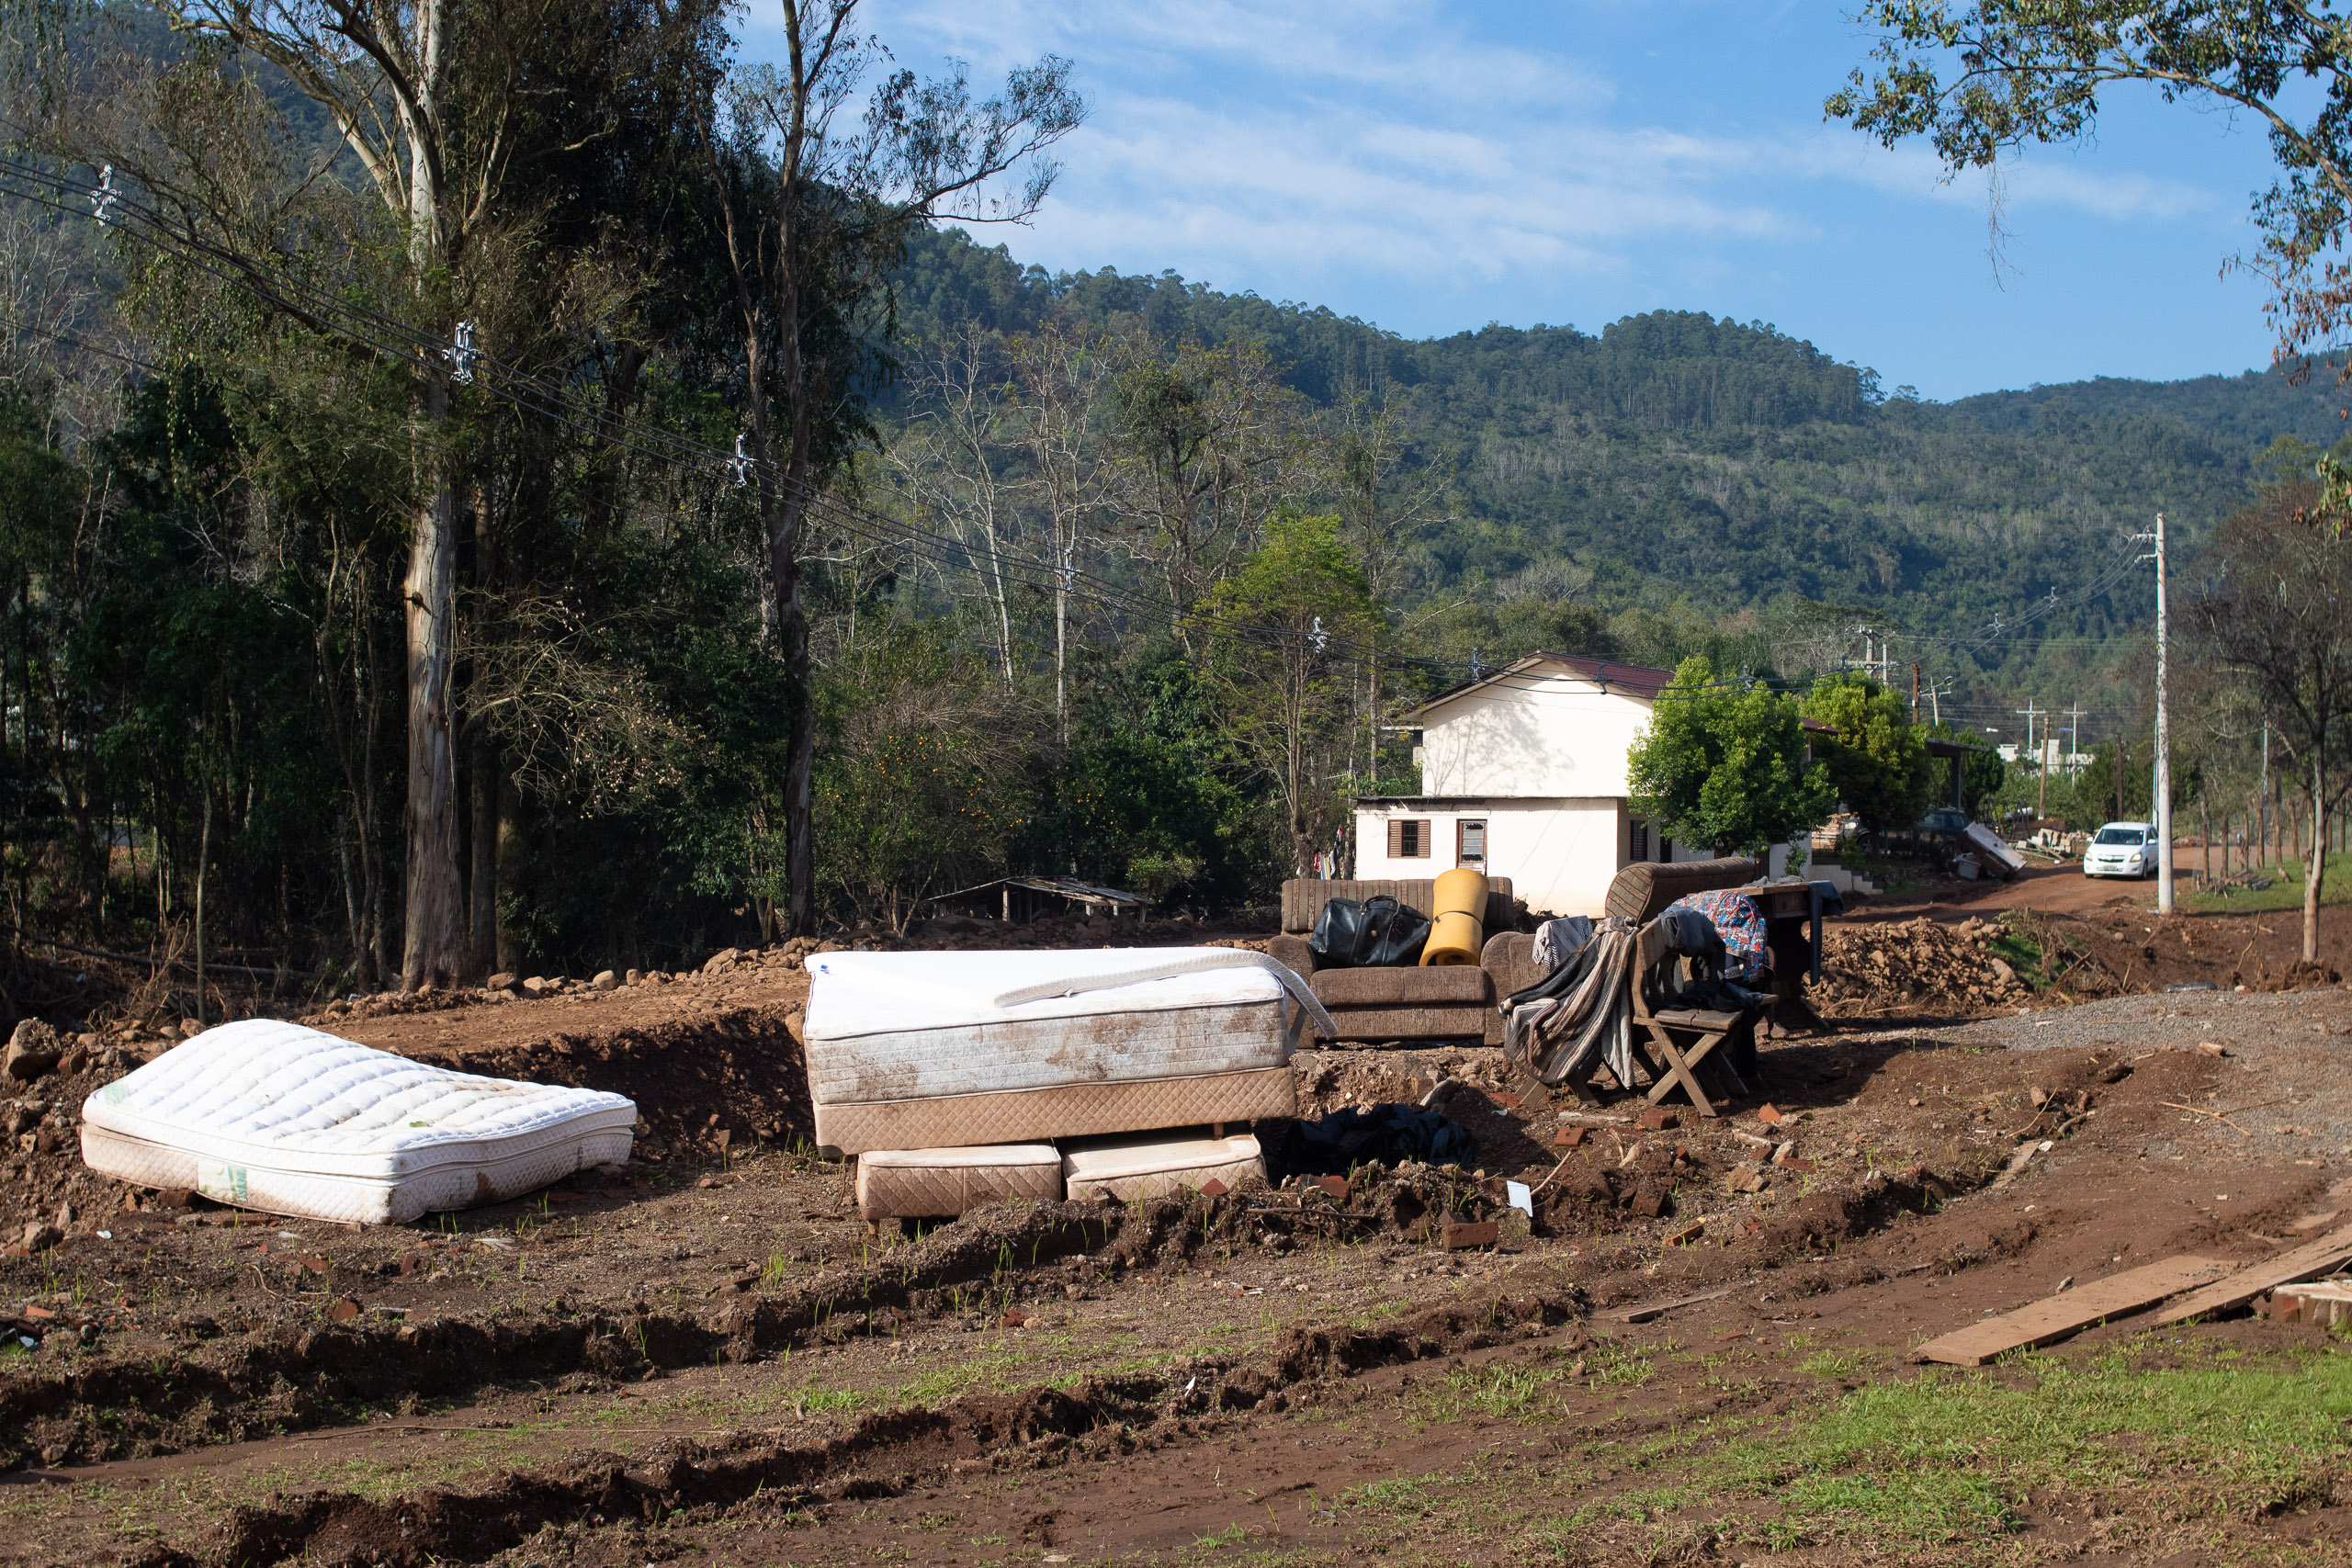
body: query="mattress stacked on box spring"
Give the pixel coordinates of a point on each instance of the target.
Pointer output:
(285, 1119)
(920, 1064)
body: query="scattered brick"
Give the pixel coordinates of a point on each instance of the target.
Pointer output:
(1694, 1231)
(1459, 1235)
(1014, 1319)
(1337, 1186)
(2210, 1048)
(1791, 1162)
(1568, 1137)
(1650, 1201)
(1770, 1115)
(1657, 1118)
(1212, 1188)
(344, 1311)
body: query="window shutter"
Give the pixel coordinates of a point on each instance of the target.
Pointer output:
(1396, 837)
(1469, 842)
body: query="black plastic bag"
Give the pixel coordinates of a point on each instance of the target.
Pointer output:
(1375, 934)
(1337, 1144)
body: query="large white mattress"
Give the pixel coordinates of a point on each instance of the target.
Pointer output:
(888, 1031)
(281, 1118)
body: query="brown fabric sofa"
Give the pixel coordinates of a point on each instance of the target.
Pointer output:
(1374, 1005)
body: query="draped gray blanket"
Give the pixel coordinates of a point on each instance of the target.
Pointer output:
(1581, 1016)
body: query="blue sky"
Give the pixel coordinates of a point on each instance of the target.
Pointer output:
(1434, 166)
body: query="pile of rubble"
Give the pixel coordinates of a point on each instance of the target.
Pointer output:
(1914, 965)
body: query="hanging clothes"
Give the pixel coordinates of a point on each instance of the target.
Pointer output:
(1738, 924)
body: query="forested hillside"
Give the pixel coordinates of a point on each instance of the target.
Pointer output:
(1675, 462)
(417, 607)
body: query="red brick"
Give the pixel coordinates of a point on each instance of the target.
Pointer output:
(1212, 1188)
(1694, 1231)
(1337, 1186)
(344, 1311)
(1657, 1118)
(1014, 1319)
(1458, 1236)
(1567, 1138)
(1770, 1115)
(1793, 1163)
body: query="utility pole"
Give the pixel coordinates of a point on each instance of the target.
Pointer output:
(2160, 783)
(2040, 764)
(2073, 739)
(1915, 694)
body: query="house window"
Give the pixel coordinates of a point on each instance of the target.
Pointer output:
(1409, 838)
(1469, 842)
(1639, 850)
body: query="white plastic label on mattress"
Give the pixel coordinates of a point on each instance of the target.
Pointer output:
(898, 1026)
(293, 1120)
(1133, 1170)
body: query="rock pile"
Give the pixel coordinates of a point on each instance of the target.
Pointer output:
(1920, 965)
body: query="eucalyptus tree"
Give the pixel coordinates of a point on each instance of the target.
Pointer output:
(1979, 78)
(816, 197)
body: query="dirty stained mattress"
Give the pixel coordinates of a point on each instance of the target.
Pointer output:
(274, 1116)
(921, 1050)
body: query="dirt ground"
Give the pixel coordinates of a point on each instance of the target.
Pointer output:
(707, 1358)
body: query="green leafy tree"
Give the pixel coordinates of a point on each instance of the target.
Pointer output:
(1979, 77)
(1279, 638)
(1725, 763)
(2270, 613)
(1875, 756)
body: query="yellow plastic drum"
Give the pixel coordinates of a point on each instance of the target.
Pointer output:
(1457, 929)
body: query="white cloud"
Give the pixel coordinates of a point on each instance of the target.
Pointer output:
(1290, 145)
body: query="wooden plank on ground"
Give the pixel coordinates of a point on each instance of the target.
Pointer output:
(1649, 1310)
(2308, 1261)
(2055, 1317)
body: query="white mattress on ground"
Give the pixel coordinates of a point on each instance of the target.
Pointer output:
(1132, 1170)
(921, 1184)
(898, 1026)
(277, 1117)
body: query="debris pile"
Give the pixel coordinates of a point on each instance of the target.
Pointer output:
(1913, 966)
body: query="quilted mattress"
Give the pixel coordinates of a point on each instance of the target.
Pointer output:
(281, 1118)
(1133, 1170)
(926, 1050)
(929, 1183)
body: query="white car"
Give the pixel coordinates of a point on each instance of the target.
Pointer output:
(2121, 849)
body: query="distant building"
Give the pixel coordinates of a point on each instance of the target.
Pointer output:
(1523, 775)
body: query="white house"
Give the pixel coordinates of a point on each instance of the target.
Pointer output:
(1524, 774)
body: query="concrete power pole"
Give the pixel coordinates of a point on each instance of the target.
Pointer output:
(2160, 783)
(2041, 761)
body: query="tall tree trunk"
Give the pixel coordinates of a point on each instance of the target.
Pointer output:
(432, 950)
(510, 864)
(484, 771)
(2317, 863)
(204, 854)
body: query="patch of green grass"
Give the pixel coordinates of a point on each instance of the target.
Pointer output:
(2286, 890)
(1401, 1495)
(1951, 1457)
(1833, 1364)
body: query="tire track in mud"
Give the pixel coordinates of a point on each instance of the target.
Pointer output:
(881, 1455)
(287, 1381)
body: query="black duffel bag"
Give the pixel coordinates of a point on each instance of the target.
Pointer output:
(1377, 933)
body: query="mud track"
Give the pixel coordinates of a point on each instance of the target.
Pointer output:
(881, 1456)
